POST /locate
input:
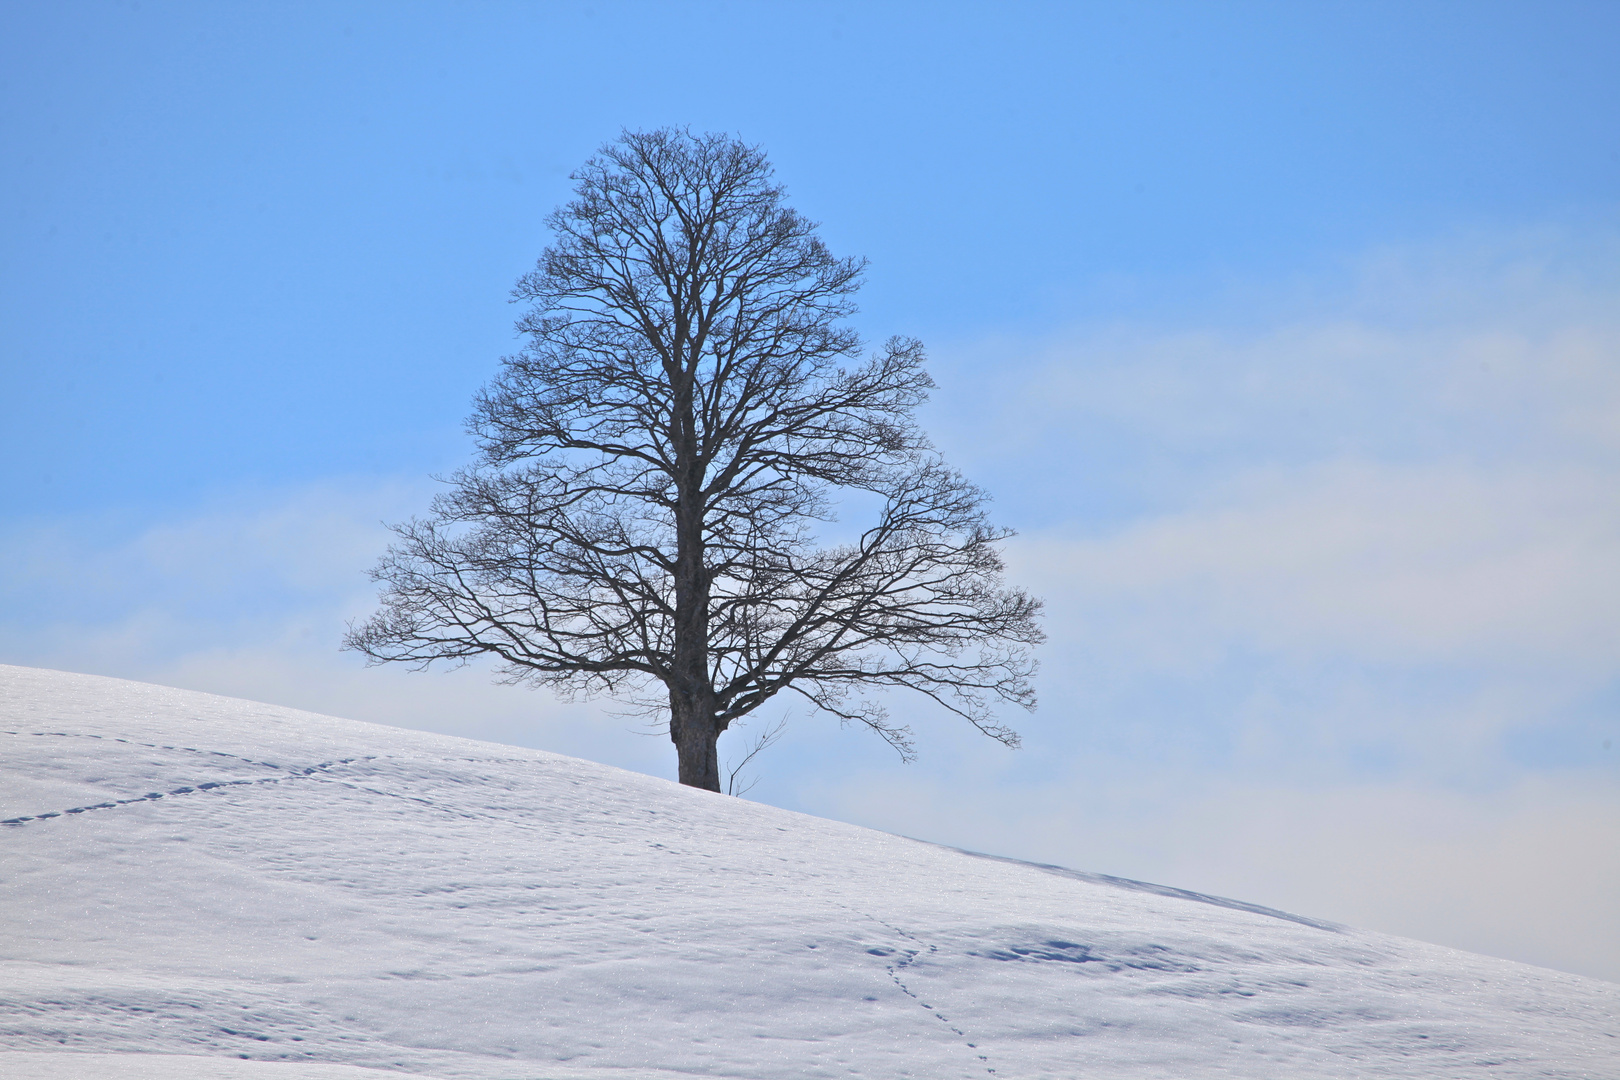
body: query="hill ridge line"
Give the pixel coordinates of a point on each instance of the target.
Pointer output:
(1149, 887)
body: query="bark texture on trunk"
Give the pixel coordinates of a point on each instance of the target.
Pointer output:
(700, 763)
(693, 731)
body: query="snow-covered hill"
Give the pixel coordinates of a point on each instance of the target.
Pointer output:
(238, 884)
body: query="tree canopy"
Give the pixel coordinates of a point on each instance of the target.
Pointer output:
(658, 464)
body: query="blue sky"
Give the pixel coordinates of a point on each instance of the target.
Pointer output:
(1284, 334)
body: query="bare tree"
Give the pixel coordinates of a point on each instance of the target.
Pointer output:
(655, 463)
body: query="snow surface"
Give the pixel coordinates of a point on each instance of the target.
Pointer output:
(195, 886)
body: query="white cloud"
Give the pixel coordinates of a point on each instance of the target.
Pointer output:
(1389, 505)
(1399, 564)
(1498, 351)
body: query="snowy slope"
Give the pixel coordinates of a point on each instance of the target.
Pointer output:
(236, 883)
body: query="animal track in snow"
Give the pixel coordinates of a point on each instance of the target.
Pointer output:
(293, 773)
(318, 772)
(906, 958)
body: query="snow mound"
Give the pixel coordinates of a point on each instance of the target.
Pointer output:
(199, 886)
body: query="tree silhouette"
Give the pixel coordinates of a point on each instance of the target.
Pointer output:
(656, 463)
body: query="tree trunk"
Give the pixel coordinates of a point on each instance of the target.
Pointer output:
(692, 729)
(691, 693)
